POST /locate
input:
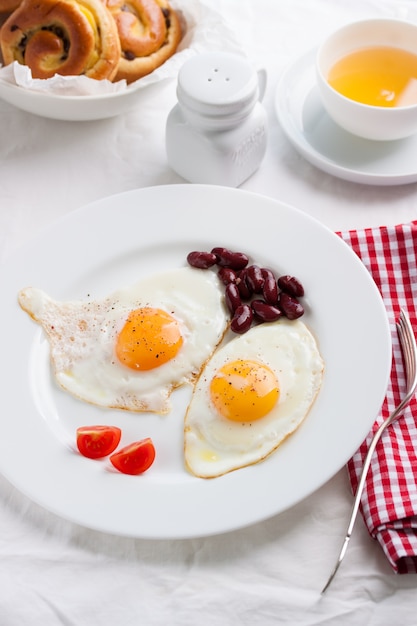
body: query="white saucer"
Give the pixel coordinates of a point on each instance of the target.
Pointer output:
(330, 148)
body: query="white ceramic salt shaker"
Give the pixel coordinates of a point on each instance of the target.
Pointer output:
(217, 132)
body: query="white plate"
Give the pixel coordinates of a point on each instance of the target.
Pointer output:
(114, 242)
(327, 146)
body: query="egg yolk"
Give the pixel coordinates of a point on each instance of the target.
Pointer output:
(149, 338)
(244, 391)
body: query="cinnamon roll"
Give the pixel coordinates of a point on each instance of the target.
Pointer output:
(149, 33)
(7, 6)
(65, 37)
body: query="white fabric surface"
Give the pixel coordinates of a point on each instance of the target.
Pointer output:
(55, 573)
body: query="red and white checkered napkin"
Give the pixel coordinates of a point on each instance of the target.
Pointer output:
(389, 502)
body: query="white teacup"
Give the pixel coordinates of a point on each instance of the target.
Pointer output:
(365, 120)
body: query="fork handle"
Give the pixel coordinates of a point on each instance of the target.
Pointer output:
(361, 485)
(367, 462)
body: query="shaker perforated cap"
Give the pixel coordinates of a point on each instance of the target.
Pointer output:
(218, 83)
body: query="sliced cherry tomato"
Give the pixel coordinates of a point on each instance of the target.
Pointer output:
(96, 442)
(135, 458)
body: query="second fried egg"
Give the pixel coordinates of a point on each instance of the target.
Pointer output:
(254, 392)
(131, 349)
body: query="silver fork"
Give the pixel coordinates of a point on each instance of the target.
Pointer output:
(409, 351)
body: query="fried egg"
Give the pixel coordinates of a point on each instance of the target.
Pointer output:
(252, 394)
(132, 349)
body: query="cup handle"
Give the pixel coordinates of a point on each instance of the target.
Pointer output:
(262, 78)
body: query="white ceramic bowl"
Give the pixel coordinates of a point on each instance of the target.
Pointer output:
(370, 122)
(203, 29)
(71, 108)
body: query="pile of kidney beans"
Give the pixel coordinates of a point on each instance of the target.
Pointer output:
(252, 293)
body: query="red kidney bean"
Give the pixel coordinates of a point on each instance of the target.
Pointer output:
(265, 312)
(291, 285)
(242, 319)
(254, 278)
(290, 306)
(270, 288)
(227, 275)
(242, 284)
(202, 260)
(232, 297)
(242, 281)
(227, 258)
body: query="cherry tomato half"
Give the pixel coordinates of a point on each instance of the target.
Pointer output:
(135, 458)
(96, 442)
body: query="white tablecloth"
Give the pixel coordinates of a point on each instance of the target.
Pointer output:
(55, 573)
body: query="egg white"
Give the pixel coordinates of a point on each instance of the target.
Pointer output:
(214, 445)
(82, 336)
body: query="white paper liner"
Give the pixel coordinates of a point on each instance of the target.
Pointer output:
(203, 30)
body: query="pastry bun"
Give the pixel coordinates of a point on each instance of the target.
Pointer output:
(101, 39)
(149, 33)
(7, 6)
(65, 37)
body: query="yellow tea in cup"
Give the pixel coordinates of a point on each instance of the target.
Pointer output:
(377, 75)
